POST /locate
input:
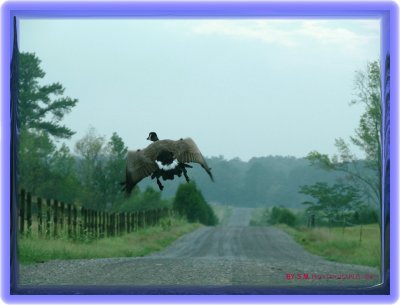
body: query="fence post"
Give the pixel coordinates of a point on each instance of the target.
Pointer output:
(107, 224)
(128, 222)
(22, 212)
(84, 216)
(55, 218)
(74, 221)
(95, 224)
(104, 223)
(62, 206)
(89, 220)
(29, 213)
(99, 223)
(82, 222)
(69, 230)
(39, 216)
(48, 219)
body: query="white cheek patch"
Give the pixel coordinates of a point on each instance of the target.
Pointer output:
(167, 167)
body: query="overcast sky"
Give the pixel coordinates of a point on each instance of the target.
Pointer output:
(239, 88)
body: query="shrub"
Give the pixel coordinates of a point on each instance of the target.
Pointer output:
(189, 202)
(365, 216)
(282, 215)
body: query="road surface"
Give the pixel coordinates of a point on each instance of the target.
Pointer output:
(222, 256)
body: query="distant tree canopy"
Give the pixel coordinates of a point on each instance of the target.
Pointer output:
(259, 182)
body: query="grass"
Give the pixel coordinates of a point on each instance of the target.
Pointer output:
(140, 243)
(336, 245)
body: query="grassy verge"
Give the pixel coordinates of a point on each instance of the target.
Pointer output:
(335, 245)
(140, 243)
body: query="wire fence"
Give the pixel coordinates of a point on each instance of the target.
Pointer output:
(49, 218)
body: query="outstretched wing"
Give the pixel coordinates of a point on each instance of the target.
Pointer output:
(138, 166)
(187, 151)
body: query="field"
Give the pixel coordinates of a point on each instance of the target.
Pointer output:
(340, 245)
(144, 241)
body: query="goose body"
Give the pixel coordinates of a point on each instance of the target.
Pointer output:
(162, 159)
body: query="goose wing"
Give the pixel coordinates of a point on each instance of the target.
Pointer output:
(187, 151)
(139, 166)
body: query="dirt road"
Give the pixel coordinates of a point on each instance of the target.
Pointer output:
(231, 255)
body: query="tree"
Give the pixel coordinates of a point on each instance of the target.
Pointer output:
(101, 169)
(41, 110)
(281, 215)
(114, 167)
(41, 107)
(90, 169)
(35, 154)
(365, 175)
(189, 202)
(333, 202)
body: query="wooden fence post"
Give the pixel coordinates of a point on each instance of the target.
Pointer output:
(74, 221)
(69, 229)
(84, 218)
(29, 213)
(55, 218)
(62, 206)
(82, 221)
(39, 216)
(22, 212)
(95, 224)
(48, 217)
(128, 222)
(99, 219)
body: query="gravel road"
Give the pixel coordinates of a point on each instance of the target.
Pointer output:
(231, 255)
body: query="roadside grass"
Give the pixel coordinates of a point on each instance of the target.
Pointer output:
(142, 242)
(340, 246)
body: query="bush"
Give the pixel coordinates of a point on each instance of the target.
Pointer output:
(190, 203)
(282, 215)
(365, 216)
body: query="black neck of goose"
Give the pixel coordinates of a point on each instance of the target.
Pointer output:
(154, 138)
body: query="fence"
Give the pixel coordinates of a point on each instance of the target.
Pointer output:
(51, 219)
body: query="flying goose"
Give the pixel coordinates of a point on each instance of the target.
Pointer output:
(162, 158)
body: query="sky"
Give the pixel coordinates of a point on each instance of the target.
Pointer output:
(239, 88)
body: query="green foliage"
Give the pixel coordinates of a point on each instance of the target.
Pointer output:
(334, 202)
(41, 107)
(366, 215)
(282, 215)
(44, 169)
(260, 182)
(101, 168)
(147, 200)
(189, 202)
(367, 138)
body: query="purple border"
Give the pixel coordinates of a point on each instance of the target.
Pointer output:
(387, 10)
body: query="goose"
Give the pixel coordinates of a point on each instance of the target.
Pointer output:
(162, 159)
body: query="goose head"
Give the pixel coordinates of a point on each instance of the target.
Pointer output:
(152, 136)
